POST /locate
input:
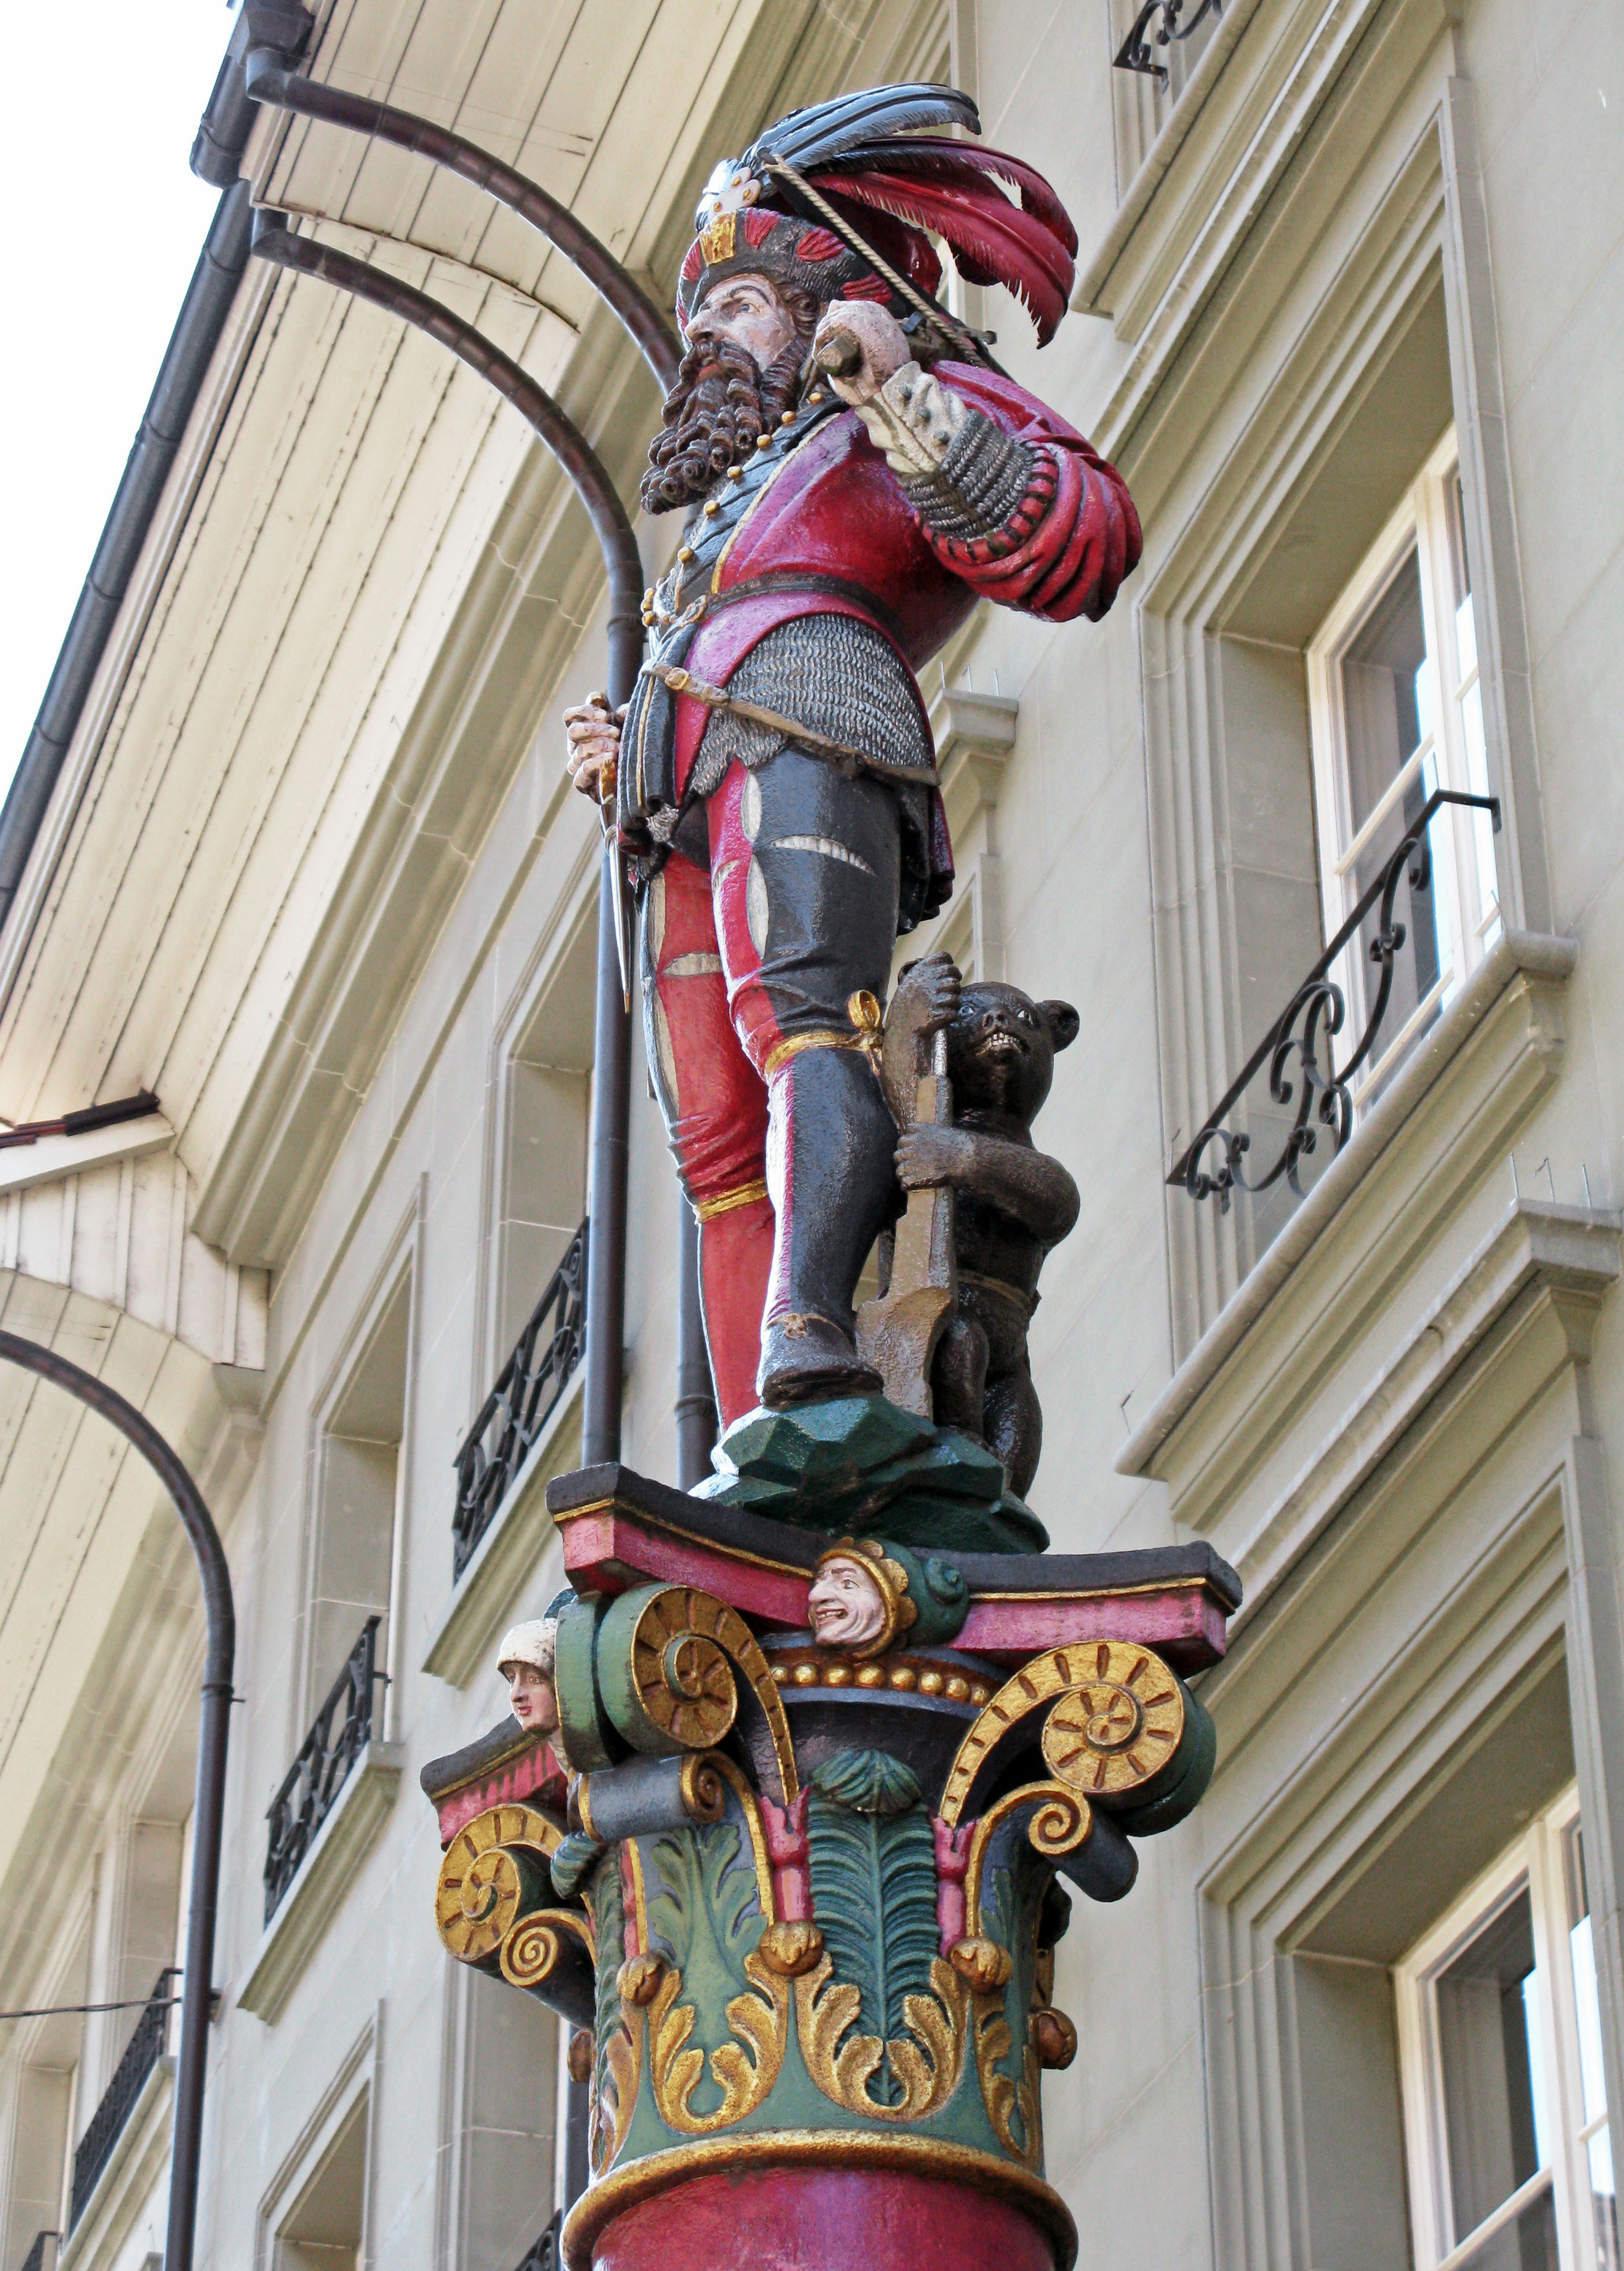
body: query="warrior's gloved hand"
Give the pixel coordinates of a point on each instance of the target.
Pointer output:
(593, 731)
(966, 479)
(865, 354)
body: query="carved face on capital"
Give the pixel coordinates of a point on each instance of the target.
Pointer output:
(845, 1607)
(530, 1693)
(525, 1662)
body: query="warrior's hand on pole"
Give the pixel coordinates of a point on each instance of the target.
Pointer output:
(857, 346)
(593, 731)
(866, 356)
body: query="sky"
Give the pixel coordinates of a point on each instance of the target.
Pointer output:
(106, 222)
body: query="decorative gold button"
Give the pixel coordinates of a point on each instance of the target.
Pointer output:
(930, 1683)
(764, 441)
(958, 1689)
(816, 394)
(787, 417)
(871, 1675)
(735, 473)
(839, 1675)
(806, 1675)
(904, 1676)
(685, 552)
(711, 506)
(780, 1673)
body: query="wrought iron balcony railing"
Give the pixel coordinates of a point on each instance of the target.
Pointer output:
(527, 1389)
(95, 2150)
(543, 2253)
(1137, 52)
(340, 1733)
(1297, 1047)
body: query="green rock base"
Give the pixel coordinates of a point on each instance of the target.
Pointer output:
(858, 1466)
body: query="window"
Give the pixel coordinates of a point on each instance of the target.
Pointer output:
(1499, 2045)
(322, 2230)
(1396, 714)
(357, 1511)
(548, 1111)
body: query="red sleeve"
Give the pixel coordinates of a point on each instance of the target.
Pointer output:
(1075, 534)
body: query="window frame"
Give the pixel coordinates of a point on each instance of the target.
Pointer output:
(1428, 521)
(1537, 1859)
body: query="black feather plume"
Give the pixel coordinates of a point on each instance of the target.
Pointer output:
(812, 137)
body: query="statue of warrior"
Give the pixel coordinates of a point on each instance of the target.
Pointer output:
(856, 473)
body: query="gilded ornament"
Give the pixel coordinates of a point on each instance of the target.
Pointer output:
(1004, 2097)
(531, 1950)
(1061, 1822)
(579, 2058)
(924, 2064)
(791, 1948)
(665, 1659)
(1120, 1728)
(483, 1882)
(1054, 2038)
(981, 1963)
(744, 2069)
(638, 1979)
(1115, 1716)
(703, 1791)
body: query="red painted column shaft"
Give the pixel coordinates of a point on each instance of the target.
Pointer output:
(823, 2219)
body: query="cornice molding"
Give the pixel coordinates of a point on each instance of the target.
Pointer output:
(1226, 148)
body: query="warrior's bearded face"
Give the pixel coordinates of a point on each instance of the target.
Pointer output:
(746, 349)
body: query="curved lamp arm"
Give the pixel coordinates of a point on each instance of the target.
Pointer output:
(213, 1728)
(269, 81)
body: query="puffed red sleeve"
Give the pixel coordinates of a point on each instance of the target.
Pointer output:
(1064, 531)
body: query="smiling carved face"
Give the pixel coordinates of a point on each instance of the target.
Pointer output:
(845, 1608)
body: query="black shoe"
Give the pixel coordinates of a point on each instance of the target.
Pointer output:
(806, 1359)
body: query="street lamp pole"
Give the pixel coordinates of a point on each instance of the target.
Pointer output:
(214, 1730)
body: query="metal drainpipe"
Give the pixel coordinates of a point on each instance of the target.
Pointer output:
(696, 1404)
(213, 1730)
(180, 380)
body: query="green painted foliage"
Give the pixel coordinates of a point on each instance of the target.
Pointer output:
(874, 1892)
(701, 1892)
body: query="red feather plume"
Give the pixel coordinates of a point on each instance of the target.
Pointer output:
(928, 157)
(992, 239)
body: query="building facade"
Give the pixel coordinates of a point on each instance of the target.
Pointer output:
(301, 864)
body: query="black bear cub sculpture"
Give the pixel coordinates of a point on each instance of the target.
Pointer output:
(1013, 1202)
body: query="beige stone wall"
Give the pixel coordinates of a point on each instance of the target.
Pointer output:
(1398, 1412)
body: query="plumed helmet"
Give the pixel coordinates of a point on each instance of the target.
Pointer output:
(534, 1643)
(833, 196)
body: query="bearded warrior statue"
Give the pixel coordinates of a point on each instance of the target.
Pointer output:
(856, 473)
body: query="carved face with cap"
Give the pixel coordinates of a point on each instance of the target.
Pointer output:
(525, 1662)
(859, 1598)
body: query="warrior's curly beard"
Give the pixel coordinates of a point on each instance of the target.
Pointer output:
(722, 400)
